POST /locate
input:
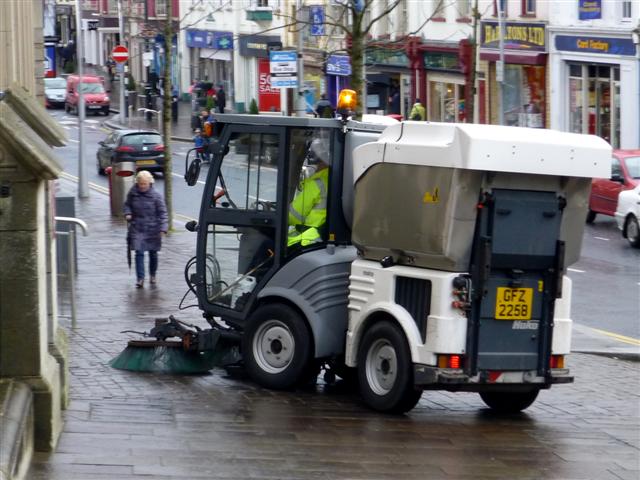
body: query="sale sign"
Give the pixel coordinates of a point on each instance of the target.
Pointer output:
(268, 97)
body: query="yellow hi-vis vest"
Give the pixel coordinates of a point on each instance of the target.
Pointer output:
(308, 211)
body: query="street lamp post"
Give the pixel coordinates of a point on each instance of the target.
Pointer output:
(121, 33)
(500, 65)
(83, 181)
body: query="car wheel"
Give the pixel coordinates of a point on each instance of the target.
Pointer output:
(100, 169)
(385, 372)
(509, 402)
(276, 347)
(632, 231)
(591, 216)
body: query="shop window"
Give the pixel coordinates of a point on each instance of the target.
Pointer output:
(524, 95)
(594, 101)
(528, 8)
(446, 102)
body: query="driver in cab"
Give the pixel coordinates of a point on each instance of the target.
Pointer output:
(308, 210)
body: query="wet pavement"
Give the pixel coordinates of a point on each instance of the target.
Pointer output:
(123, 425)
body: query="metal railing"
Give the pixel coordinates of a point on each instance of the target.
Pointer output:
(71, 263)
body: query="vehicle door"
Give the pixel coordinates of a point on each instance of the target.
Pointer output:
(241, 230)
(105, 152)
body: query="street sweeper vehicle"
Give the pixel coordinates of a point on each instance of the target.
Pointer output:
(417, 256)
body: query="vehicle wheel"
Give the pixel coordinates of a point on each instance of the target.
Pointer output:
(591, 216)
(633, 231)
(385, 371)
(509, 402)
(276, 347)
(100, 169)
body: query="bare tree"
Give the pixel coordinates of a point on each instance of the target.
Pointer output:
(166, 113)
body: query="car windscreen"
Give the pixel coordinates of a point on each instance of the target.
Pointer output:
(633, 165)
(55, 83)
(92, 88)
(142, 139)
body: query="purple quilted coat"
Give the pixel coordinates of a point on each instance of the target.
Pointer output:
(148, 218)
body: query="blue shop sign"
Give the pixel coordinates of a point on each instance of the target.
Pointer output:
(589, 9)
(209, 39)
(604, 45)
(339, 65)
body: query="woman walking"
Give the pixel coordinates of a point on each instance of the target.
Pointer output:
(147, 214)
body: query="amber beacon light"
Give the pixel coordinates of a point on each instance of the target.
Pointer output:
(347, 101)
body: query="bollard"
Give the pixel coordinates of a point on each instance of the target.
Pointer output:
(120, 182)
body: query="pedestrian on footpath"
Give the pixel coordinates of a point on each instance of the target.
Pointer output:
(146, 213)
(418, 112)
(200, 144)
(221, 99)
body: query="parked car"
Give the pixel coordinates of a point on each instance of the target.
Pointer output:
(54, 91)
(95, 95)
(625, 175)
(144, 147)
(628, 215)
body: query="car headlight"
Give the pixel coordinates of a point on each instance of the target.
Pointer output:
(106, 99)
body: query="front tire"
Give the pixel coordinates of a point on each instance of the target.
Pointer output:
(385, 372)
(632, 231)
(509, 402)
(591, 216)
(276, 347)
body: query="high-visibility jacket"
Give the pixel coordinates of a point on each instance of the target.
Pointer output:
(308, 211)
(417, 112)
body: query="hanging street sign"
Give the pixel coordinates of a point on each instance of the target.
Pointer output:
(316, 18)
(120, 54)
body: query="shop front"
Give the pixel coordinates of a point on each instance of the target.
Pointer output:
(446, 86)
(524, 86)
(211, 55)
(388, 76)
(252, 78)
(596, 86)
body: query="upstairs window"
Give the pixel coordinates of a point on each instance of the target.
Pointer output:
(528, 8)
(627, 10)
(500, 5)
(161, 8)
(464, 9)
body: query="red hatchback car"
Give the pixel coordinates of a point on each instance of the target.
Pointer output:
(625, 175)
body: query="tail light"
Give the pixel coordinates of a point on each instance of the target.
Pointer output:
(158, 148)
(556, 361)
(449, 361)
(125, 149)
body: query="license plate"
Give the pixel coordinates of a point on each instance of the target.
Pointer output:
(145, 162)
(514, 303)
(95, 106)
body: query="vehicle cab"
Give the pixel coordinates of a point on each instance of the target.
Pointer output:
(95, 96)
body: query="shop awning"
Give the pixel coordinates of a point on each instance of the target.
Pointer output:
(522, 58)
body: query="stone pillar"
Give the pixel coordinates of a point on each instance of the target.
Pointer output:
(24, 339)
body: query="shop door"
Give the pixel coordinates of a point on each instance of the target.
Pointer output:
(594, 101)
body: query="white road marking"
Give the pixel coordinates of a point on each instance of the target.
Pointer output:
(575, 270)
(74, 141)
(182, 178)
(601, 238)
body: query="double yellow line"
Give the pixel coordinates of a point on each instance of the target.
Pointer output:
(621, 338)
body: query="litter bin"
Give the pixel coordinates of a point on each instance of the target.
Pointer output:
(121, 178)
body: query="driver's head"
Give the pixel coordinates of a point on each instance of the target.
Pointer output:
(318, 153)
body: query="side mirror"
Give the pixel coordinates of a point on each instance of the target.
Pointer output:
(616, 177)
(193, 172)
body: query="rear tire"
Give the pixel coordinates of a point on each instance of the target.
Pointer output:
(277, 347)
(385, 372)
(591, 216)
(509, 402)
(100, 169)
(632, 231)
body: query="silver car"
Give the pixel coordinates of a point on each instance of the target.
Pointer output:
(54, 91)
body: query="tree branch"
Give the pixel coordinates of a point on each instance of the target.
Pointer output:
(386, 12)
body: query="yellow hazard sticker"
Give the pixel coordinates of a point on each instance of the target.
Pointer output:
(431, 197)
(540, 285)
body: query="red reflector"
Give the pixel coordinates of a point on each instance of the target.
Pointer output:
(556, 361)
(454, 361)
(159, 148)
(125, 149)
(493, 376)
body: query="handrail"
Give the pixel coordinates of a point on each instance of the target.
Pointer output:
(77, 221)
(72, 259)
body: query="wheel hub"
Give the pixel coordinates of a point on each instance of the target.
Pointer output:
(273, 346)
(381, 366)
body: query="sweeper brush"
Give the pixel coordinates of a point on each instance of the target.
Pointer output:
(196, 351)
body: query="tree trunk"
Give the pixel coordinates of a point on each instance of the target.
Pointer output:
(357, 63)
(166, 114)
